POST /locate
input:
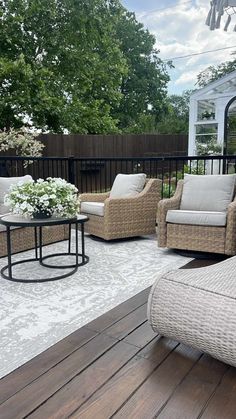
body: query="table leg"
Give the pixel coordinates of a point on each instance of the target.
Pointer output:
(9, 252)
(40, 244)
(82, 242)
(69, 240)
(76, 245)
(36, 242)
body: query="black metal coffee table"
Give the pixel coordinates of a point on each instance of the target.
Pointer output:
(16, 221)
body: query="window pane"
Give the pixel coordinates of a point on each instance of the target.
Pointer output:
(206, 138)
(206, 110)
(206, 129)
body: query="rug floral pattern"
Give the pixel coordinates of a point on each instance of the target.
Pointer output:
(35, 316)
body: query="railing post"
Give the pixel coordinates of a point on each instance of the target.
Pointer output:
(71, 170)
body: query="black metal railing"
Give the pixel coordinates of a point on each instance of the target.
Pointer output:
(97, 175)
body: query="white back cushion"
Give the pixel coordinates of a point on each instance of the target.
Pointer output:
(125, 186)
(6, 182)
(207, 192)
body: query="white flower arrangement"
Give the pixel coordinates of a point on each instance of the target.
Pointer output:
(43, 198)
(22, 141)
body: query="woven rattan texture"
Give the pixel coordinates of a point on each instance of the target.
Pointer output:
(23, 238)
(163, 206)
(191, 237)
(198, 307)
(125, 217)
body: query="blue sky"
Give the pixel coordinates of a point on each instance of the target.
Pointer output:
(180, 30)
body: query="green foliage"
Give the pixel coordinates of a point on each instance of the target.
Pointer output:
(197, 168)
(60, 65)
(168, 190)
(144, 86)
(213, 73)
(76, 66)
(53, 196)
(173, 118)
(23, 142)
(145, 124)
(208, 146)
(176, 118)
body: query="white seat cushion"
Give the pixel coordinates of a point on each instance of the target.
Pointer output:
(126, 186)
(208, 218)
(95, 208)
(207, 192)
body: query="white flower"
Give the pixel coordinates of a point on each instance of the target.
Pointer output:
(44, 197)
(54, 195)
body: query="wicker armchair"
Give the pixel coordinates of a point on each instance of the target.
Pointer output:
(23, 238)
(204, 238)
(198, 308)
(125, 217)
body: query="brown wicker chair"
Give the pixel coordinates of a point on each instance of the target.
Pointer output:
(125, 217)
(23, 238)
(195, 237)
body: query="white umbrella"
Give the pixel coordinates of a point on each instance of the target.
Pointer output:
(217, 10)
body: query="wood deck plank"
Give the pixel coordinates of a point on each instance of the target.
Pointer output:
(106, 401)
(141, 336)
(223, 404)
(157, 389)
(77, 391)
(123, 384)
(25, 374)
(196, 389)
(119, 312)
(23, 402)
(154, 350)
(127, 324)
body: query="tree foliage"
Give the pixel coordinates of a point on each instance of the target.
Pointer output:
(144, 86)
(176, 118)
(213, 73)
(76, 65)
(59, 64)
(173, 119)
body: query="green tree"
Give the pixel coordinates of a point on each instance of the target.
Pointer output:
(176, 118)
(144, 87)
(213, 73)
(60, 65)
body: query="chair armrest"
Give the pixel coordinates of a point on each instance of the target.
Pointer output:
(230, 241)
(170, 203)
(163, 206)
(93, 197)
(135, 206)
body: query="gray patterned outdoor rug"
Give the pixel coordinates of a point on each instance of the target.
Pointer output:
(35, 316)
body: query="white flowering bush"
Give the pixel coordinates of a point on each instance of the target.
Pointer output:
(22, 141)
(43, 198)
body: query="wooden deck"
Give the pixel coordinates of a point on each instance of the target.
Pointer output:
(116, 366)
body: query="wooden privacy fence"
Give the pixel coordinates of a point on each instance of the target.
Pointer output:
(101, 146)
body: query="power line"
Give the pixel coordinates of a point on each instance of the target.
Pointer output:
(198, 53)
(166, 8)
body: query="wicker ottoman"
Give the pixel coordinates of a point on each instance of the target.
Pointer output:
(198, 307)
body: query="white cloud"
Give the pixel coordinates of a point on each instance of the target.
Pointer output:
(181, 31)
(190, 76)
